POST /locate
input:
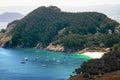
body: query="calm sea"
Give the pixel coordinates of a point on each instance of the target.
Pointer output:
(41, 64)
(3, 25)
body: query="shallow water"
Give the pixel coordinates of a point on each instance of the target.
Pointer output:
(41, 64)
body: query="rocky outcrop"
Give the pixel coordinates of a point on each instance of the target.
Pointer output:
(117, 29)
(4, 40)
(94, 49)
(5, 37)
(57, 47)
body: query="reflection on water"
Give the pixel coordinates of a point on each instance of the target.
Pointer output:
(41, 64)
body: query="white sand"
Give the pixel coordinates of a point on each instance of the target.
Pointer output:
(94, 54)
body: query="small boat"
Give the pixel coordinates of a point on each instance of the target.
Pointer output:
(26, 59)
(44, 65)
(58, 61)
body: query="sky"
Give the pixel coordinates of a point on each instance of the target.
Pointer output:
(26, 6)
(5, 3)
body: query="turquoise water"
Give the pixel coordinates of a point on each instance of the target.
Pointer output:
(47, 66)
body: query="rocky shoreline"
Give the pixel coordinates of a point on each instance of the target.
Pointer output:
(93, 53)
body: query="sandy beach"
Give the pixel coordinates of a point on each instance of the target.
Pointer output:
(94, 54)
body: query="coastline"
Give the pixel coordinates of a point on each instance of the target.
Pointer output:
(90, 53)
(94, 52)
(94, 55)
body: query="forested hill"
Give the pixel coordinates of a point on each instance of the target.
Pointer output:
(75, 31)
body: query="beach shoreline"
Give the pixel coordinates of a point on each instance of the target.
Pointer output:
(94, 55)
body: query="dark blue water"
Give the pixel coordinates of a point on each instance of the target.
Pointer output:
(47, 66)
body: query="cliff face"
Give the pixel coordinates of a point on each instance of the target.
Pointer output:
(5, 37)
(55, 48)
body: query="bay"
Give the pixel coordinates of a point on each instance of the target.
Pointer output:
(41, 64)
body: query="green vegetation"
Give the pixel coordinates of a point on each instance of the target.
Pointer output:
(95, 68)
(74, 31)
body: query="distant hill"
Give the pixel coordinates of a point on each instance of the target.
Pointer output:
(9, 17)
(73, 31)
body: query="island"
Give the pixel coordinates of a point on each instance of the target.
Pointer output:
(10, 16)
(52, 29)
